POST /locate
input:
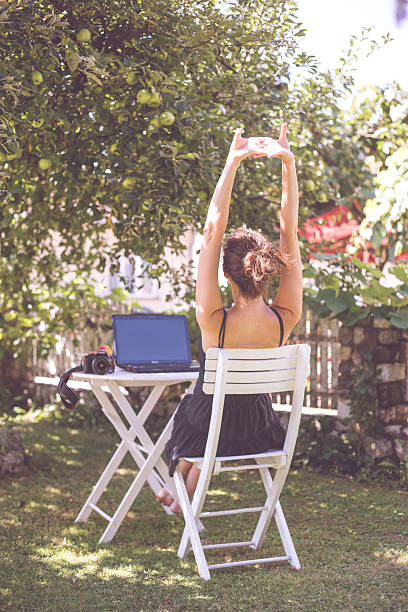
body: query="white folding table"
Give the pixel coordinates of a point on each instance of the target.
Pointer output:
(135, 439)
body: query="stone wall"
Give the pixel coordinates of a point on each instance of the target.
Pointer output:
(388, 347)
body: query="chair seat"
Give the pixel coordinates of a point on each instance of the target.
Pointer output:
(274, 458)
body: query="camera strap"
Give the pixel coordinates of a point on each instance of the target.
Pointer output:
(68, 397)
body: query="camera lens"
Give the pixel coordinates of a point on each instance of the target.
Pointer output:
(101, 365)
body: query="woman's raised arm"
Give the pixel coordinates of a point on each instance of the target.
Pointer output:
(208, 296)
(289, 296)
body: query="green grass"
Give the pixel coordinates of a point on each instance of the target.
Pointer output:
(351, 539)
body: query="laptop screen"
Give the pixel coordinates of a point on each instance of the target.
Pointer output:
(147, 338)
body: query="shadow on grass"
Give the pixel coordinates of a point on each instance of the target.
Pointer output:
(351, 539)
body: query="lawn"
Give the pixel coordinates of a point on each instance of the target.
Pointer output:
(351, 539)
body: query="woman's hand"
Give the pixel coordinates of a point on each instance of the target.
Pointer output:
(241, 148)
(273, 148)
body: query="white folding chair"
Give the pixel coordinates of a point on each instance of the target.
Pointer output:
(245, 371)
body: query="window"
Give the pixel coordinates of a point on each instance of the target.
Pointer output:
(130, 277)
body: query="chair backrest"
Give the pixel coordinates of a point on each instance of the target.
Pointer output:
(245, 371)
(270, 370)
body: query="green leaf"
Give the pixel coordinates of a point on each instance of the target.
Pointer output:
(326, 256)
(401, 272)
(354, 315)
(336, 304)
(400, 319)
(119, 294)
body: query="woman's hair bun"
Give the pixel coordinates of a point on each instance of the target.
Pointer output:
(251, 261)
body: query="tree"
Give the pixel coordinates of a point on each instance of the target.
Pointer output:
(116, 116)
(380, 115)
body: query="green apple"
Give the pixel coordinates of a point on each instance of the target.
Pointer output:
(142, 159)
(155, 99)
(37, 77)
(129, 182)
(253, 87)
(167, 118)
(160, 54)
(155, 76)
(44, 163)
(131, 78)
(83, 35)
(113, 147)
(107, 58)
(155, 121)
(143, 96)
(122, 117)
(16, 155)
(309, 185)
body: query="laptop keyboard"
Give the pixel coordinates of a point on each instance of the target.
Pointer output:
(164, 367)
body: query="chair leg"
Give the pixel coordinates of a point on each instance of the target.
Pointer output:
(191, 526)
(271, 501)
(285, 536)
(183, 548)
(280, 521)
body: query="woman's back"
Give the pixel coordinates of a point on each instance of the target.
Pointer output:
(249, 326)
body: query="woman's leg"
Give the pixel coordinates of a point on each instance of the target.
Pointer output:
(164, 497)
(191, 475)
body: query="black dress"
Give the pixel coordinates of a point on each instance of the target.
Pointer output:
(249, 423)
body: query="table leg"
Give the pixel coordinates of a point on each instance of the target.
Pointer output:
(142, 434)
(146, 466)
(136, 486)
(102, 483)
(127, 445)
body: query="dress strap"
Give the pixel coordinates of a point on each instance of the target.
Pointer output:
(221, 334)
(280, 324)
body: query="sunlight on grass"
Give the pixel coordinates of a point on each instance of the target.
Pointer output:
(66, 560)
(108, 573)
(43, 505)
(399, 557)
(219, 493)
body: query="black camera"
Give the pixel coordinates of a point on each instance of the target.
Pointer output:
(102, 361)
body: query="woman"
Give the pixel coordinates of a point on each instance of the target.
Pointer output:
(249, 261)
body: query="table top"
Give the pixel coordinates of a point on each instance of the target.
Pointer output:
(144, 379)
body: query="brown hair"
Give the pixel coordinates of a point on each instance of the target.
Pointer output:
(251, 261)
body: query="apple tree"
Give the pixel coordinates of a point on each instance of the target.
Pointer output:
(115, 119)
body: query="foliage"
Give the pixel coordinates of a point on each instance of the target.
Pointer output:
(32, 326)
(349, 289)
(362, 395)
(386, 214)
(324, 446)
(379, 115)
(93, 163)
(320, 448)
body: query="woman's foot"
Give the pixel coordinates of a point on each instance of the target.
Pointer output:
(175, 508)
(165, 498)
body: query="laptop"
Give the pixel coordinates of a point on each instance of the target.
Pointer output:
(152, 343)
